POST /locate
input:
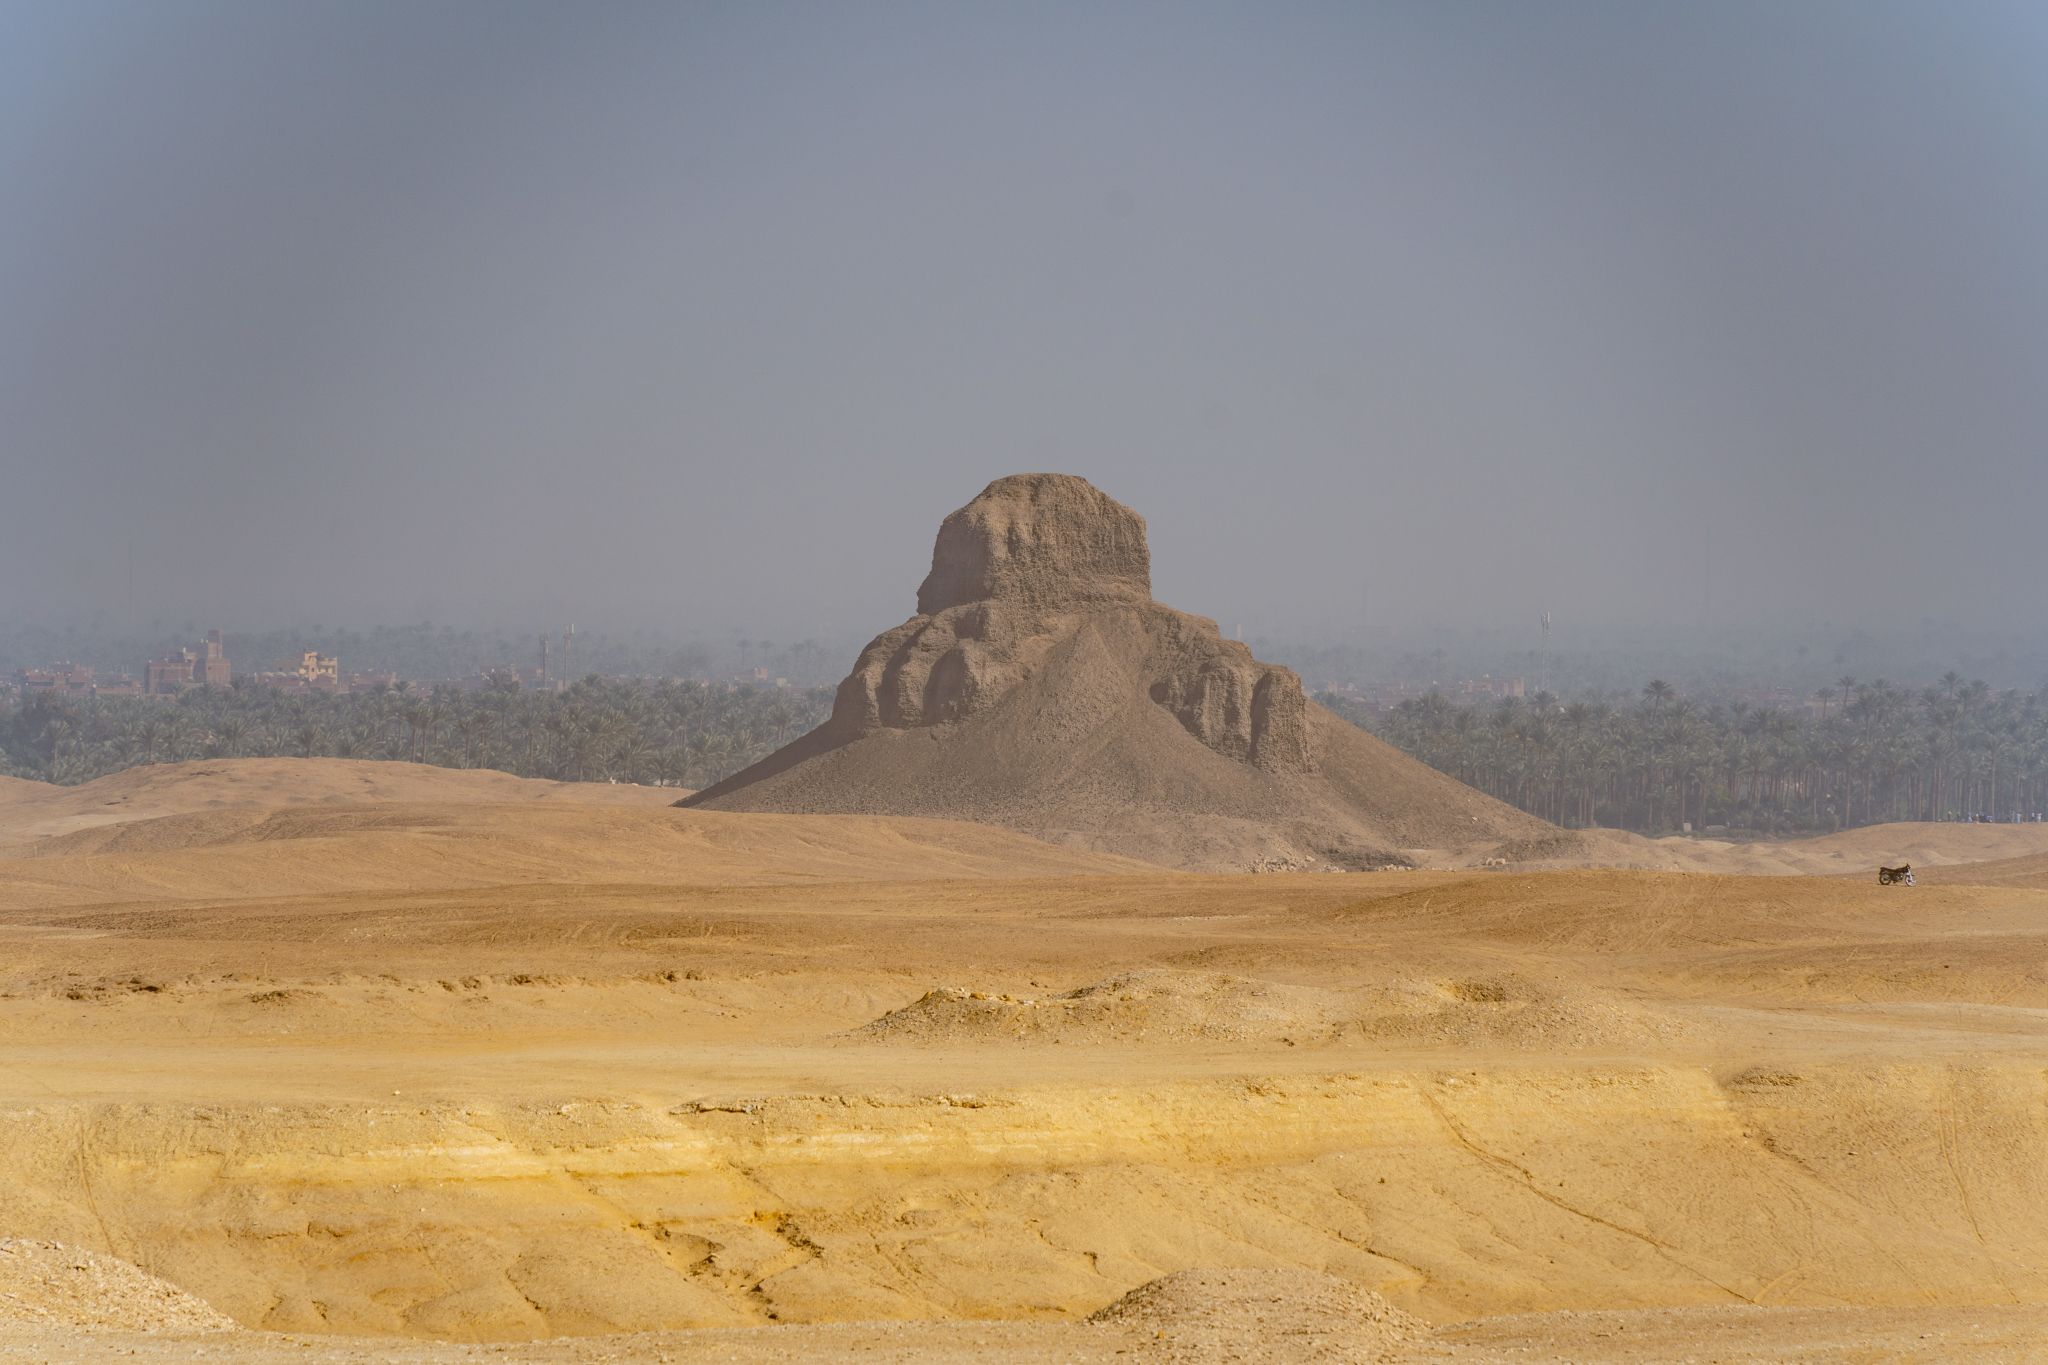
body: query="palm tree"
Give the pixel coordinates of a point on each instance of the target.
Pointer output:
(437, 716)
(1463, 727)
(151, 735)
(583, 749)
(700, 746)
(620, 743)
(1996, 742)
(415, 718)
(175, 735)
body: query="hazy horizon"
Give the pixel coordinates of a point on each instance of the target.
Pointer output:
(1398, 318)
(1613, 663)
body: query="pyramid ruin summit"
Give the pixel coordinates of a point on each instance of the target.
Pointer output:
(1039, 687)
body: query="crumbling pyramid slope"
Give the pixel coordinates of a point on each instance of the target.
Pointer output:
(1041, 688)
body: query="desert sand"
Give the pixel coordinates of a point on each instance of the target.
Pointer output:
(431, 1079)
(33, 811)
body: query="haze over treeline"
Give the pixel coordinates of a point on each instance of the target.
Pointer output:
(1388, 317)
(1578, 662)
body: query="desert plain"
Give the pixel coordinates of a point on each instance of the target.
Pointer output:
(397, 1063)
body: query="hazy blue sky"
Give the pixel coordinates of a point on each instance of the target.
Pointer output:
(702, 316)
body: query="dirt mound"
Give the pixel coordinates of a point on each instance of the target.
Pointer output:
(1163, 1006)
(1256, 1315)
(1041, 688)
(2028, 873)
(1146, 1006)
(1922, 843)
(49, 1284)
(1508, 1011)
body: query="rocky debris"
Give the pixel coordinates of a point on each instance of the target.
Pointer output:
(49, 1284)
(1553, 844)
(1053, 696)
(1161, 1006)
(1262, 1315)
(1507, 1011)
(1289, 862)
(1151, 1005)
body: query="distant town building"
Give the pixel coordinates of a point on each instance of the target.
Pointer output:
(531, 679)
(174, 670)
(73, 680)
(311, 672)
(211, 666)
(169, 672)
(317, 668)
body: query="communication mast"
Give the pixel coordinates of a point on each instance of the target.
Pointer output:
(1543, 664)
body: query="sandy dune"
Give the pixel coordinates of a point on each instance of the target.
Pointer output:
(498, 1070)
(30, 811)
(252, 800)
(1854, 852)
(409, 848)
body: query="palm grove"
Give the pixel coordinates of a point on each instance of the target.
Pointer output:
(675, 733)
(1659, 761)
(1654, 763)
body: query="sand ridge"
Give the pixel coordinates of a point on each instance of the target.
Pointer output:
(1853, 852)
(31, 811)
(397, 848)
(217, 803)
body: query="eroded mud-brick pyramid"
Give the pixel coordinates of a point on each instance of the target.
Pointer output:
(1039, 687)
